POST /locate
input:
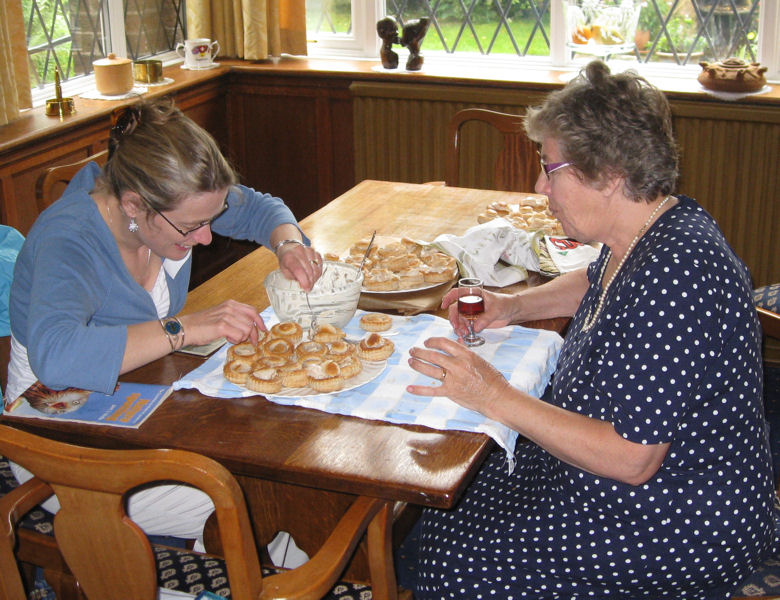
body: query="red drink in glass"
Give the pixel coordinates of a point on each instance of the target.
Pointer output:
(471, 306)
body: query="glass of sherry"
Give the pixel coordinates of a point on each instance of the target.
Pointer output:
(470, 305)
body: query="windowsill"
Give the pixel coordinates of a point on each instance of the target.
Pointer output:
(35, 125)
(507, 73)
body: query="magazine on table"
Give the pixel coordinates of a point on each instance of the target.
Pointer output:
(129, 406)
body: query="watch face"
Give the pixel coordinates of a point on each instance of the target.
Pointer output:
(173, 327)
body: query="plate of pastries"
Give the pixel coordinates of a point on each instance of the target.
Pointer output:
(530, 214)
(400, 265)
(284, 362)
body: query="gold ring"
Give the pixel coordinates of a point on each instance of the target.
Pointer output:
(443, 375)
(314, 261)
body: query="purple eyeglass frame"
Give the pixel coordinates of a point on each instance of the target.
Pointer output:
(549, 168)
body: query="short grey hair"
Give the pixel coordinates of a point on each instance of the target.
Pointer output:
(611, 125)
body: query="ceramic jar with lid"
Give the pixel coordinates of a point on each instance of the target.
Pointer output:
(113, 75)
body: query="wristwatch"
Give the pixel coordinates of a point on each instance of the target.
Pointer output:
(174, 331)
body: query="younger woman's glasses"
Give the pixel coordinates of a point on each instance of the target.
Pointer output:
(186, 232)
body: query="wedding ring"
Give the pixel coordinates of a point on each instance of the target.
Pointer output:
(443, 375)
(314, 261)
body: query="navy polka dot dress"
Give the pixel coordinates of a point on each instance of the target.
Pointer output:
(673, 357)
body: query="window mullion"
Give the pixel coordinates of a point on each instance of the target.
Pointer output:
(114, 19)
(558, 53)
(768, 34)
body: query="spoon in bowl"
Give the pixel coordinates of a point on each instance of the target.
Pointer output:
(368, 249)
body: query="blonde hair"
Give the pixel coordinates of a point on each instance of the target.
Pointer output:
(162, 155)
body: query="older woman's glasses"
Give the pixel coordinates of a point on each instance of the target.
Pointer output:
(550, 168)
(186, 232)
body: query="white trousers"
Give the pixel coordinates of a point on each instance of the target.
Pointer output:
(172, 510)
(180, 511)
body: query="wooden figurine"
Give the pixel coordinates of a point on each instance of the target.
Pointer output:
(412, 37)
(387, 28)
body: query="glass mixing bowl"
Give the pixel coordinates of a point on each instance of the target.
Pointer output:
(333, 299)
(601, 27)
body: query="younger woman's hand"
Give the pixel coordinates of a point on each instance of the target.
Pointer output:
(301, 263)
(235, 321)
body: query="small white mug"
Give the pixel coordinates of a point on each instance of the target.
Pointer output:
(198, 53)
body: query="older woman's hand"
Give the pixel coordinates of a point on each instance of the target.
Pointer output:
(499, 310)
(302, 263)
(235, 321)
(465, 377)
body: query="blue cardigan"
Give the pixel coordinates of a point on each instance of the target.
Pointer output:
(72, 297)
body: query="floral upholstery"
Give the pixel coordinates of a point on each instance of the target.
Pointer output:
(768, 297)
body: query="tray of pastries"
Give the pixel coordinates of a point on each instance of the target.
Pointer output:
(530, 214)
(400, 265)
(283, 363)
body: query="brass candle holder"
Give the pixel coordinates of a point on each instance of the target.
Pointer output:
(59, 106)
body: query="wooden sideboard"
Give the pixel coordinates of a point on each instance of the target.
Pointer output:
(307, 130)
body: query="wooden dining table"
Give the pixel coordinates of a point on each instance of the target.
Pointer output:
(300, 468)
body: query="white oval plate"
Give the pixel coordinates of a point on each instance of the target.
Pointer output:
(371, 370)
(428, 286)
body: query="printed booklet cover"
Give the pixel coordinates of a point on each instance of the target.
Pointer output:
(128, 406)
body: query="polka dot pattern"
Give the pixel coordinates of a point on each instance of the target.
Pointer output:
(673, 358)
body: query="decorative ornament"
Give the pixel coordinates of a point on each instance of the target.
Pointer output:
(412, 37)
(732, 75)
(133, 226)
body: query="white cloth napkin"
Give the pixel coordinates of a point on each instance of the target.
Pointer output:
(568, 254)
(497, 252)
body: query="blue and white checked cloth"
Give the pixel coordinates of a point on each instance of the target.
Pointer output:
(526, 357)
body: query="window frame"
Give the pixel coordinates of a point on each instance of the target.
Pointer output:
(114, 24)
(365, 44)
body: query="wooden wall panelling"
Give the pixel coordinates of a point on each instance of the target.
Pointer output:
(401, 130)
(729, 165)
(729, 153)
(206, 104)
(293, 138)
(20, 170)
(22, 165)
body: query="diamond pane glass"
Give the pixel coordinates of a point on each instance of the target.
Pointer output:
(517, 27)
(675, 31)
(686, 32)
(329, 17)
(71, 34)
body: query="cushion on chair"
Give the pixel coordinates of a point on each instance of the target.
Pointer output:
(768, 297)
(39, 520)
(195, 573)
(765, 580)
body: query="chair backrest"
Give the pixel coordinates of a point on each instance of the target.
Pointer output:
(110, 556)
(52, 181)
(517, 166)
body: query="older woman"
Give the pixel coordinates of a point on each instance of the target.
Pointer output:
(104, 272)
(648, 470)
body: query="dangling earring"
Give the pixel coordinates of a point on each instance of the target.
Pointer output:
(133, 226)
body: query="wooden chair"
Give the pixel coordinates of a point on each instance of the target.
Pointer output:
(517, 165)
(110, 556)
(52, 181)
